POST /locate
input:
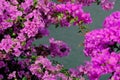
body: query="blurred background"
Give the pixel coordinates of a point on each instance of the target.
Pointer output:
(75, 39)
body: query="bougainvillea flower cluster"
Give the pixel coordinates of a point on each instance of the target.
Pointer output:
(102, 46)
(24, 21)
(105, 4)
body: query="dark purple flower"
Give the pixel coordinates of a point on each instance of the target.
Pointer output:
(58, 48)
(2, 64)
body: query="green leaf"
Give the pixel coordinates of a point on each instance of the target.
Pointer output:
(9, 20)
(60, 16)
(72, 21)
(10, 31)
(55, 62)
(65, 71)
(98, 2)
(76, 18)
(76, 78)
(21, 19)
(80, 22)
(13, 34)
(57, 25)
(82, 28)
(23, 43)
(23, 57)
(22, 25)
(15, 58)
(24, 78)
(21, 9)
(35, 3)
(15, 79)
(34, 57)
